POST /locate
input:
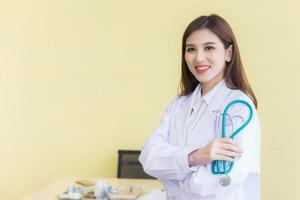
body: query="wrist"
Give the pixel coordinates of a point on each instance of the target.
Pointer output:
(198, 157)
(191, 159)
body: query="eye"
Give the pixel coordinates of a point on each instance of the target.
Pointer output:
(209, 48)
(190, 49)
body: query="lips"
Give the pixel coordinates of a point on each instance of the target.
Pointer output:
(201, 69)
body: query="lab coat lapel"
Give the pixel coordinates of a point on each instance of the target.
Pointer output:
(215, 104)
(189, 104)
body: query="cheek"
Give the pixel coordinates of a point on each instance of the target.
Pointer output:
(188, 59)
(189, 62)
(219, 59)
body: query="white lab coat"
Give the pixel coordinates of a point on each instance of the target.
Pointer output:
(165, 153)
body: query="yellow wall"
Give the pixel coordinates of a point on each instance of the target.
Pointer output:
(81, 79)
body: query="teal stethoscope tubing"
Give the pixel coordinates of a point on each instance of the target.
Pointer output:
(216, 165)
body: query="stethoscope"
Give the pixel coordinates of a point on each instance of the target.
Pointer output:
(221, 166)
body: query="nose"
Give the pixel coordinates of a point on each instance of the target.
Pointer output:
(200, 57)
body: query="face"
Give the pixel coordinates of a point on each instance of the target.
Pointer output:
(206, 56)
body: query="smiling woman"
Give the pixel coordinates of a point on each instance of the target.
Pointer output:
(205, 56)
(183, 148)
(214, 35)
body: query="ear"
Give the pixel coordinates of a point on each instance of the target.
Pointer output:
(228, 53)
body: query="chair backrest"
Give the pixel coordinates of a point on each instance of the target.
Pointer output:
(129, 166)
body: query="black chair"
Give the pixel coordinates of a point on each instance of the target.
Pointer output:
(129, 166)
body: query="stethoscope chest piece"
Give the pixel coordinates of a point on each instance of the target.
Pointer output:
(225, 180)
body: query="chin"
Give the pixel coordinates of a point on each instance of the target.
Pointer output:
(203, 79)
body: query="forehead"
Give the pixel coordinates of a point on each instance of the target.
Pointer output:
(202, 36)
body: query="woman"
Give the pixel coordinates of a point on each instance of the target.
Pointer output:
(181, 150)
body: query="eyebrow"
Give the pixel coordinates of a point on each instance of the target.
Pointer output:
(206, 43)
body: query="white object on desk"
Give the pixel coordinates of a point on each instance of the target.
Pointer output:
(126, 192)
(102, 188)
(72, 193)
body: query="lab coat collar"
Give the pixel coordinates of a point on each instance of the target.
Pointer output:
(219, 99)
(209, 96)
(213, 98)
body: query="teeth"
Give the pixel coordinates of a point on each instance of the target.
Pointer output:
(201, 68)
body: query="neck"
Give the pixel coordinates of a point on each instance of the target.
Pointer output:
(206, 87)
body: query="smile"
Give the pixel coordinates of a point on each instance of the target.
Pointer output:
(202, 69)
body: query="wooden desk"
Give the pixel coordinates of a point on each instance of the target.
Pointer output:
(51, 192)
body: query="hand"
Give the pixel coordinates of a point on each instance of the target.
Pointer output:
(218, 149)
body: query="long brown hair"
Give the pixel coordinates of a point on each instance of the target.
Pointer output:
(234, 73)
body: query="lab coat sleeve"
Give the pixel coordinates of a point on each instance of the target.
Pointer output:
(161, 159)
(203, 182)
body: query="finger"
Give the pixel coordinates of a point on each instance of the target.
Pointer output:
(230, 147)
(228, 153)
(227, 141)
